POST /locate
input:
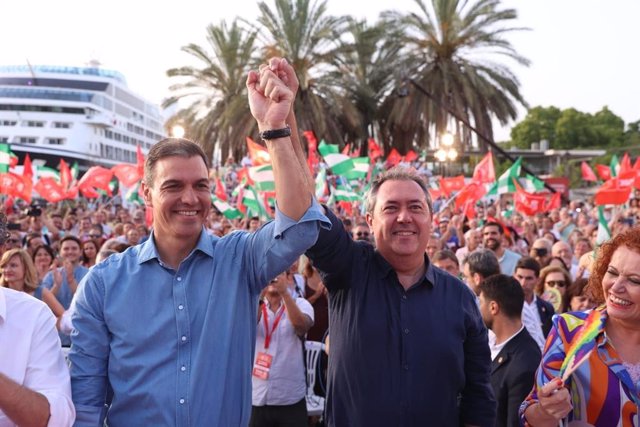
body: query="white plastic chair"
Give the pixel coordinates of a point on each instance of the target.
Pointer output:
(315, 404)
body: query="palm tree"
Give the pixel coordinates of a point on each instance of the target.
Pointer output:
(302, 32)
(365, 65)
(450, 46)
(218, 113)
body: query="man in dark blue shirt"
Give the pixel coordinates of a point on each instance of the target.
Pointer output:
(408, 345)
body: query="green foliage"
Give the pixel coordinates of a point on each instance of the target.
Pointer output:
(538, 125)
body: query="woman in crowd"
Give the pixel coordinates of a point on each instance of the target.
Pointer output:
(18, 272)
(579, 296)
(89, 253)
(603, 391)
(554, 277)
(43, 257)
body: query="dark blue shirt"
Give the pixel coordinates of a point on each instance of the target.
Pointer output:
(400, 358)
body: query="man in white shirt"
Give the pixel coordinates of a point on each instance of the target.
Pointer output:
(34, 379)
(536, 312)
(279, 377)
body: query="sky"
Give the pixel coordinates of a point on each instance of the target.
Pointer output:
(584, 53)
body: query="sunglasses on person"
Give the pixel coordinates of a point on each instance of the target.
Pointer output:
(13, 241)
(554, 283)
(95, 236)
(362, 234)
(540, 251)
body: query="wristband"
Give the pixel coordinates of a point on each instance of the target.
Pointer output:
(275, 133)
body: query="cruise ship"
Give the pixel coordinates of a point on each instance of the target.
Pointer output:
(81, 114)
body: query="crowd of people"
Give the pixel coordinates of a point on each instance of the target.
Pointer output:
(428, 317)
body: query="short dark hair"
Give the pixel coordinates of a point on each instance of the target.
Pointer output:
(170, 147)
(71, 237)
(529, 263)
(494, 224)
(397, 173)
(506, 291)
(445, 254)
(484, 262)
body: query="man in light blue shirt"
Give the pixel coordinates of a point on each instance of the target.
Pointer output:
(170, 324)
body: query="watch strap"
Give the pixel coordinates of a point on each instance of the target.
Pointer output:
(275, 133)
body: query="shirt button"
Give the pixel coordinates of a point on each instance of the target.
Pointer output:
(181, 401)
(405, 367)
(406, 330)
(180, 307)
(184, 338)
(179, 279)
(404, 297)
(183, 368)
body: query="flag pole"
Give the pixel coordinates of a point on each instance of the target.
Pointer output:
(477, 132)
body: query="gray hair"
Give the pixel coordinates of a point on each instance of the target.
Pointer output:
(170, 147)
(484, 262)
(398, 173)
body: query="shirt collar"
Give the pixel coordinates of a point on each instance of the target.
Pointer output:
(3, 305)
(386, 268)
(149, 250)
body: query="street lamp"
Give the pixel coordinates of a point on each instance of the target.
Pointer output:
(446, 152)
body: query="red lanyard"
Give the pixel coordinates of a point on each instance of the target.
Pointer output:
(267, 334)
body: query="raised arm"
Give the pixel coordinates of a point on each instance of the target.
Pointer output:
(270, 101)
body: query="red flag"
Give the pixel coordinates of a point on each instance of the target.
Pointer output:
(626, 179)
(258, 154)
(604, 171)
(610, 193)
(554, 202)
(140, 160)
(394, 157)
(435, 193)
(449, 185)
(347, 207)
(636, 165)
(221, 192)
(587, 172)
(410, 156)
(312, 145)
(527, 203)
(127, 173)
(89, 192)
(148, 216)
(469, 209)
(346, 150)
(484, 172)
(374, 149)
(625, 164)
(65, 175)
(27, 170)
(50, 190)
(16, 186)
(472, 192)
(96, 177)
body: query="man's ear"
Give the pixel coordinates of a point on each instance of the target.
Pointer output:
(494, 308)
(146, 195)
(369, 218)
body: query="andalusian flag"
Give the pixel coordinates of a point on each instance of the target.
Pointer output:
(225, 208)
(5, 157)
(360, 170)
(254, 203)
(262, 176)
(505, 184)
(338, 163)
(614, 166)
(603, 228)
(345, 193)
(532, 184)
(133, 194)
(45, 172)
(321, 184)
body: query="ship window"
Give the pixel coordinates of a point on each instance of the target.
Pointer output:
(55, 141)
(61, 125)
(26, 140)
(8, 123)
(34, 124)
(117, 136)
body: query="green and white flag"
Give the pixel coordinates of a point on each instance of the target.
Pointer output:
(133, 194)
(604, 233)
(360, 170)
(614, 165)
(45, 172)
(262, 177)
(5, 157)
(505, 184)
(338, 163)
(225, 208)
(321, 184)
(345, 193)
(74, 171)
(254, 204)
(532, 184)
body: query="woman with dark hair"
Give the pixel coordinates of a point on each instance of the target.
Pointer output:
(579, 296)
(554, 280)
(90, 250)
(604, 390)
(43, 257)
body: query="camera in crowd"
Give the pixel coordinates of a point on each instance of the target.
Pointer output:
(34, 209)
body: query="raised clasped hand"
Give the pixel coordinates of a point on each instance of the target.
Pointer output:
(269, 98)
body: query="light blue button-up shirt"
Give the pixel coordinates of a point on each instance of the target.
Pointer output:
(176, 346)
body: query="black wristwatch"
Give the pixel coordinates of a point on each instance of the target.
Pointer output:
(275, 133)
